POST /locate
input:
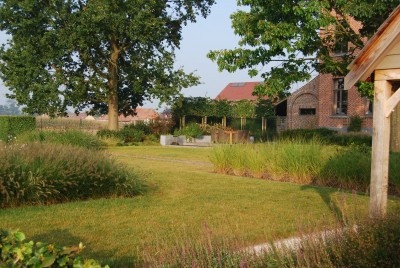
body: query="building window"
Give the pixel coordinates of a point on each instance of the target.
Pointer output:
(341, 96)
(307, 111)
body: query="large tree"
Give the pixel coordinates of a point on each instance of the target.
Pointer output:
(298, 37)
(105, 55)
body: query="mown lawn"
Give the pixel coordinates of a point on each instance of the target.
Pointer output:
(185, 201)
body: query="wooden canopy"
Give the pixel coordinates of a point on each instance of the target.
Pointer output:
(380, 52)
(381, 57)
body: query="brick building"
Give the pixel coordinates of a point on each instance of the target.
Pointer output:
(324, 102)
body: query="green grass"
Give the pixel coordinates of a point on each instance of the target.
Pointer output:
(186, 202)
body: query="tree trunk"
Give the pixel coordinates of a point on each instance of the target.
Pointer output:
(113, 88)
(395, 130)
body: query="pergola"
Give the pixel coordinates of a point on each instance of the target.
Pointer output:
(380, 60)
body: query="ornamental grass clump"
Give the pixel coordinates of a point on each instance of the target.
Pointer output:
(304, 162)
(287, 160)
(48, 173)
(68, 137)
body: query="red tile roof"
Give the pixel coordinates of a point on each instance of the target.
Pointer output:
(238, 91)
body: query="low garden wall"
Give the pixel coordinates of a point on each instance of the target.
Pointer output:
(205, 140)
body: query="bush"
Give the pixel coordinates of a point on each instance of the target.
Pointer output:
(10, 126)
(191, 130)
(49, 173)
(69, 137)
(14, 252)
(131, 134)
(161, 126)
(355, 124)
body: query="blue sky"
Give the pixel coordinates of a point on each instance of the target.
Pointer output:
(212, 33)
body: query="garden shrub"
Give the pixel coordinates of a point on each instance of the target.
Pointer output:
(14, 252)
(131, 134)
(10, 126)
(69, 137)
(161, 126)
(51, 173)
(355, 124)
(191, 130)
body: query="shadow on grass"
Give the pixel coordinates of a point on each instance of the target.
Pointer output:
(333, 204)
(64, 237)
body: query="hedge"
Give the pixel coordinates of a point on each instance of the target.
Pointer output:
(10, 126)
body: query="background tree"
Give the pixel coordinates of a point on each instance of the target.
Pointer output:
(106, 55)
(301, 36)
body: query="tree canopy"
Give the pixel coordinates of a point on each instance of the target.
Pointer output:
(299, 37)
(201, 106)
(105, 55)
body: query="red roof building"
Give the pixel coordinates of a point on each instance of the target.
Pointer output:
(142, 114)
(238, 91)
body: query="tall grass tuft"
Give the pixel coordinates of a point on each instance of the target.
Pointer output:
(48, 173)
(68, 137)
(304, 162)
(287, 160)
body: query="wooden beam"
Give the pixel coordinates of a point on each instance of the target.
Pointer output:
(386, 38)
(392, 103)
(380, 151)
(390, 74)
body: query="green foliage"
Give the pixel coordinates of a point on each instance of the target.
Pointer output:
(10, 126)
(191, 130)
(106, 133)
(355, 124)
(199, 106)
(94, 55)
(327, 136)
(131, 134)
(161, 126)
(304, 162)
(69, 137)
(366, 89)
(243, 108)
(14, 252)
(289, 32)
(51, 173)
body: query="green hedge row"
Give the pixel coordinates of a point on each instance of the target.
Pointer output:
(10, 126)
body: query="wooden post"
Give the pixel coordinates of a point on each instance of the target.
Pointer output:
(380, 151)
(224, 121)
(263, 125)
(395, 130)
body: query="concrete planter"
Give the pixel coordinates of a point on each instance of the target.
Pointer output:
(182, 140)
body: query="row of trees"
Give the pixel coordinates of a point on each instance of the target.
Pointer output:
(201, 106)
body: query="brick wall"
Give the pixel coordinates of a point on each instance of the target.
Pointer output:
(319, 94)
(304, 98)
